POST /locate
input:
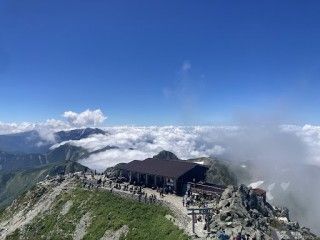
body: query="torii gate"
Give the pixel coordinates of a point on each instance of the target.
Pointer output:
(200, 211)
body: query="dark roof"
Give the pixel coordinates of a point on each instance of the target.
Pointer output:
(259, 191)
(160, 167)
(207, 187)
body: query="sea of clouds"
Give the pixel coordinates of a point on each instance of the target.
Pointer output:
(142, 142)
(269, 145)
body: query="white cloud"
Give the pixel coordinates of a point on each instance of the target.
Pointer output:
(86, 118)
(50, 124)
(47, 129)
(112, 157)
(8, 128)
(311, 136)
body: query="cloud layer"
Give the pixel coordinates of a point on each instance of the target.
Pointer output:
(50, 125)
(143, 142)
(86, 118)
(275, 146)
(47, 129)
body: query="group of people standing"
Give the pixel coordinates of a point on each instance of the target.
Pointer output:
(221, 235)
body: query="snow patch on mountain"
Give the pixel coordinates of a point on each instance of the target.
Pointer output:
(256, 184)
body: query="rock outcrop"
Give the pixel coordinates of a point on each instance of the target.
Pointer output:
(243, 210)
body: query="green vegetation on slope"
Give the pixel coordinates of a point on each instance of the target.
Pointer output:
(19, 172)
(14, 184)
(107, 212)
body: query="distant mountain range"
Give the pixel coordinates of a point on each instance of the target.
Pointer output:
(32, 142)
(25, 159)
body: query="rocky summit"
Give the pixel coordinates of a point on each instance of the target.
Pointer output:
(246, 211)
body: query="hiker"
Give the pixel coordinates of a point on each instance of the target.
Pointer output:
(187, 203)
(99, 181)
(222, 235)
(183, 201)
(139, 197)
(239, 237)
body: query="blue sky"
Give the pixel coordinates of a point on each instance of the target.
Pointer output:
(160, 62)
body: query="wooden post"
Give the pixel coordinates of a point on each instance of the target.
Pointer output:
(138, 178)
(208, 222)
(130, 177)
(193, 221)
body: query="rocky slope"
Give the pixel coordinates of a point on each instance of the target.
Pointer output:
(242, 209)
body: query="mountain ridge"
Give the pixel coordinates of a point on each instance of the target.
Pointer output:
(32, 141)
